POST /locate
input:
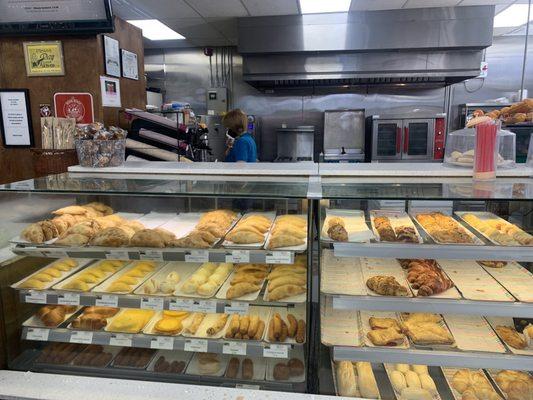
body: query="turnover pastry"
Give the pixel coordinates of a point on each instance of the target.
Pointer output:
(426, 328)
(288, 231)
(147, 238)
(40, 232)
(384, 323)
(385, 337)
(511, 337)
(71, 210)
(517, 385)
(386, 286)
(113, 237)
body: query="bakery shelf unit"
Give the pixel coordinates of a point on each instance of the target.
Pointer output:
(401, 228)
(175, 204)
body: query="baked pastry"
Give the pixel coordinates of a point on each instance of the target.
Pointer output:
(133, 357)
(406, 234)
(288, 231)
(426, 276)
(233, 368)
(241, 289)
(248, 369)
(384, 323)
(112, 237)
(384, 228)
(208, 363)
(285, 291)
(72, 240)
(296, 367)
(52, 316)
(427, 332)
(366, 382)
(194, 324)
(72, 210)
(168, 326)
(281, 372)
(511, 337)
(472, 384)
(130, 321)
(346, 380)
(443, 228)
(338, 233)
(93, 356)
(147, 238)
(413, 393)
(398, 381)
(386, 286)
(219, 324)
(385, 337)
(493, 264)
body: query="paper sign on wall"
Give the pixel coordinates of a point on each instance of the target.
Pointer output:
(110, 90)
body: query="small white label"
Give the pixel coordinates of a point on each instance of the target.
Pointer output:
(206, 306)
(117, 255)
(279, 257)
(245, 386)
(276, 351)
(55, 253)
(197, 345)
(107, 300)
(238, 256)
(152, 303)
(36, 297)
(69, 299)
(235, 348)
(120, 340)
(38, 334)
(237, 307)
(162, 343)
(181, 305)
(210, 112)
(155, 255)
(83, 337)
(200, 256)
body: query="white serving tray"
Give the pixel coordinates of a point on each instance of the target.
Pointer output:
(61, 285)
(259, 365)
(298, 353)
(117, 315)
(170, 356)
(429, 345)
(207, 322)
(506, 321)
(473, 333)
(35, 322)
(180, 293)
(113, 350)
(262, 312)
(341, 275)
(103, 287)
(221, 294)
(334, 372)
(82, 262)
(448, 375)
(389, 368)
(515, 279)
(339, 327)
(149, 327)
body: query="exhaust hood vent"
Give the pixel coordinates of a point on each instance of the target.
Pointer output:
(431, 47)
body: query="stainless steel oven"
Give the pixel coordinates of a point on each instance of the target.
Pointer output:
(399, 138)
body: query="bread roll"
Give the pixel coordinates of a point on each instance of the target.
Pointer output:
(403, 368)
(415, 394)
(427, 383)
(366, 381)
(412, 379)
(420, 369)
(346, 382)
(398, 381)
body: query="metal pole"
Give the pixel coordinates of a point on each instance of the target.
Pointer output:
(525, 52)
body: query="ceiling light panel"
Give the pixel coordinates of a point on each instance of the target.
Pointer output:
(515, 15)
(154, 29)
(324, 6)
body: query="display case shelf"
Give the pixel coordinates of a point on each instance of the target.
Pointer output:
(433, 305)
(433, 357)
(434, 251)
(173, 254)
(146, 302)
(219, 346)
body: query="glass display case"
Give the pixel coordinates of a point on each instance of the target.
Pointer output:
(198, 280)
(390, 288)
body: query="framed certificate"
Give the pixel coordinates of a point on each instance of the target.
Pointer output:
(44, 58)
(15, 118)
(130, 67)
(111, 56)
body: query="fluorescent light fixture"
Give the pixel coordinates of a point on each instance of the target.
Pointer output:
(515, 15)
(324, 6)
(154, 29)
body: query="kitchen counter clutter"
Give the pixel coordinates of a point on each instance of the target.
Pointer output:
(423, 288)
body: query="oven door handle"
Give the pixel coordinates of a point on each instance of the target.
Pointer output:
(405, 139)
(398, 140)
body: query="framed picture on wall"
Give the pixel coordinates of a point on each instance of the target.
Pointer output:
(44, 58)
(111, 56)
(130, 67)
(15, 118)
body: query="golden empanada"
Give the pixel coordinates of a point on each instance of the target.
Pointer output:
(104, 209)
(245, 237)
(72, 210)
(279, 241)
(147, 238)
(72, 240)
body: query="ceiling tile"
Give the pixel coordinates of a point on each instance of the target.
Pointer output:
(484, 2)
(226, 26)
(165, 8)
(430, 3)
(271, 7)
(125, 10)
(364, 5)
(192, 27)
(218, 8)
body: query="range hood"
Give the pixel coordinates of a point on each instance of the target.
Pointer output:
(429, 46)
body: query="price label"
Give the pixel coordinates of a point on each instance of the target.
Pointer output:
(200, 256)
(83, 337)
(279, 257)
(238, 256)
(197, 345)
(120, 340)
(237, 307)
(206, 306)
(155, 255)
(38, 334)
(107, 300)
(181, 305)
(117, 255)
(162, 343)
(55, 253)
(244, 386)
(36, 297)
(69, 299)
(235, 348)
(276, 351)
(152, 303)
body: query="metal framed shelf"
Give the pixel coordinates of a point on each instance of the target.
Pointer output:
(434, 251)
(219, 346)
(146, 302)
(171, 254)
(433, 357)
(432, 305)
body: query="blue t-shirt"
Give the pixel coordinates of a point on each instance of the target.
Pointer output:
(244, 149)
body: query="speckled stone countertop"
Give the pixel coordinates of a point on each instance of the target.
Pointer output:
(16, 385)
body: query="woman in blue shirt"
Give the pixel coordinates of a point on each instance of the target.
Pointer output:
(243, 148)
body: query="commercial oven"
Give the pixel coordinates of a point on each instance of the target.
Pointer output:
(397, 138)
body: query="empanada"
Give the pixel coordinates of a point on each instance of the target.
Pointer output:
(147, 238)
(385, 337)
(49, 230)
(291, 231)
(106, 210)
(135, 225)
(383, 323)
(206, 236)
(72, 240)
(299, 280)
(72, 210)
(167, 236)
(111, 237)
(240, 289)
(285, 291)
(88, 228)
(33, 233)
(279, 241)
(245, 237)
(61, 225)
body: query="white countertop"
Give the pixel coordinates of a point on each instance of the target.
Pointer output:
(15, 385)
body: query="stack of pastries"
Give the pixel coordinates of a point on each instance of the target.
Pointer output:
(250, 229)
(413, 382)
(500, 231)
(473, 385)
(212, 226)
(207, 279)
(423, 328)
(516, 385)
(94, 318)
(426, 276)
(356, 380)
(52, 272)
(248, 327)
(287, 280)
(385, 332)
(387, 233)
(443, 228)
(91, 276)
(288, 231)
(248, 278)
(279, 330)
(128, 281)
(52, 316)
(130, 321)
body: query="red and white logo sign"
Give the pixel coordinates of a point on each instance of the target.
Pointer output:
(75, 105)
